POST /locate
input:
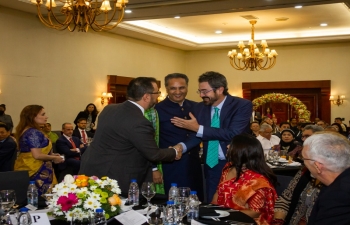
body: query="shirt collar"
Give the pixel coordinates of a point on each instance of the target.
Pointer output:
(220, 105)
(180, 104)
(140, 107)
(67, 137)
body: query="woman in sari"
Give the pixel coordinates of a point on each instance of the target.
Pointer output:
(247, 183)
(35, 149)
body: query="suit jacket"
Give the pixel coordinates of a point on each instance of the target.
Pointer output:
(83, 114)
(186, 172)
(234, 119)
(76, 133)
(333, 203)
(258, 115)
(7, 150)
(123, 147)
(63, 146)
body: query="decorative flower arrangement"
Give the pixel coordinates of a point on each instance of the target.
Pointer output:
(81, 196)
(285, 98)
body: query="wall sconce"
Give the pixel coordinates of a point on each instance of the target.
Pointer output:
(339, 101)
(105, 95)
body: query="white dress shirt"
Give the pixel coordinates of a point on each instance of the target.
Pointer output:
(267, 144)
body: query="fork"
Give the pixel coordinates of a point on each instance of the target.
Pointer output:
(215, 219)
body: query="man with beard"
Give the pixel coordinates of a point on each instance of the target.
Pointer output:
(215, 121)
(124, 146)
(186, 172)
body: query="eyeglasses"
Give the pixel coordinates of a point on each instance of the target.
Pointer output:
(204, 92)
(155, 93)
(305, 136)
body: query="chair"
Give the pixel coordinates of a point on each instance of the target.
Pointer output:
(283, 182)
(18, 181)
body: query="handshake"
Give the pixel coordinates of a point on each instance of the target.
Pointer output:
(179, 150)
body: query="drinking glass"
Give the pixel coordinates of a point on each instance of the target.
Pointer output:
(8, 199)
(148, 191)
(181, 205)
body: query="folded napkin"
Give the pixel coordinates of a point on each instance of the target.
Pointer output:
(212, 222)
(294, 164)
(208, 211)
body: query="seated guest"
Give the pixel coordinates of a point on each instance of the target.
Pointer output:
(71, 147)
(267, 140)
(321, 123)
(337, 127)
(295, 203)
(254, 128)
(247, 183)
(8, 147)
(327, 156)
(81, 132)
(6, 119)
(51, 135)
(35, 148)
(288, 142)
(283, 126)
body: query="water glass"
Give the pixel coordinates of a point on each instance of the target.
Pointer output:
(148, 191)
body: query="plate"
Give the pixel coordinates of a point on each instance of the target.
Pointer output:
(221, 212)
(294, 164)
(282, 160)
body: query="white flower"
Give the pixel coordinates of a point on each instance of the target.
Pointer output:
(113, 208)
(90, 203)
(69, 179)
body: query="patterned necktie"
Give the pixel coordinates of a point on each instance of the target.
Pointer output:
(83, 136)
(213, 146)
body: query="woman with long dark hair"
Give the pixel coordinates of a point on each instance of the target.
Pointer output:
(90, 114)
(35, 149)
(247, 183)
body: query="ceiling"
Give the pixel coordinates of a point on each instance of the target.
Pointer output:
(153, 21)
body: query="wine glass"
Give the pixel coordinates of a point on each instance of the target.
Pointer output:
(8, 199)
(181, 205)
(148, 191)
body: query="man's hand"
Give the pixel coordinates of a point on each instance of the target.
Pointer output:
(190, 124)
(157, 177)
(179, 149)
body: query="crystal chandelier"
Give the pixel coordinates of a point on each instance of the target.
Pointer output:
(251, 57)
(81, 14)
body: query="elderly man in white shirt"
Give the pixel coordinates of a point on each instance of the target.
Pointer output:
(267, 140)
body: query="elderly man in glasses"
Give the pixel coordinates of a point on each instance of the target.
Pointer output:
(327, 156)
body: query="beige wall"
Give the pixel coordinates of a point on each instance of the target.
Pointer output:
(294, 63)
(65, 71)
(32, 72)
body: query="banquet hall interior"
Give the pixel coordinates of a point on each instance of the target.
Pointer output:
(64, 71)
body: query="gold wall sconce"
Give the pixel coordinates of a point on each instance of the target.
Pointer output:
(339, 101)
(105, 95)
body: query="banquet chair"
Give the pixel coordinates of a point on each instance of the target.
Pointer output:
(18, 181)
(282, 183)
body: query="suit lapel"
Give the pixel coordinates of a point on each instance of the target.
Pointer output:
(225, 109)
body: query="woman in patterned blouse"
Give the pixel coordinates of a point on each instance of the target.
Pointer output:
(247, 183)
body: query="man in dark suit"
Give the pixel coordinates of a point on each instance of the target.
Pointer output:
(215, 122)
(71, 147)
(124, 146)
(256, 116)
(81, 132)
(327, 156)
(186, 172)
(8, 149)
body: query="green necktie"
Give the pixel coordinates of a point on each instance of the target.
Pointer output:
(213, 146)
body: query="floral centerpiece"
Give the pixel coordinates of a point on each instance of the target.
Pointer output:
(82, 195)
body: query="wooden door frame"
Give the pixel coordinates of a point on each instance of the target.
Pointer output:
(323, 85)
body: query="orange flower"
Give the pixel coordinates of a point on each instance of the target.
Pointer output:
(82, 181)
(114, 200)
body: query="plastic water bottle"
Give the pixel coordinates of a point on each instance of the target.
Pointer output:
(193, 205)
(100, 218)
(32, 194)
(134, 192)
(170, 214)
(173, 192)
(24, 217)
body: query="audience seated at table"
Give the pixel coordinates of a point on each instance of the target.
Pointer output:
(289, 144)
(8, 149)
(80, 131)
(35, 154)
(247, 183)
(267, 140)
(254, 128)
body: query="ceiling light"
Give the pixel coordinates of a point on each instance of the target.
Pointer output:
(298, 6)
(82, 14)
(177, 17)
(323, 24)
(128, 11)
(251, 57)
(218, 32)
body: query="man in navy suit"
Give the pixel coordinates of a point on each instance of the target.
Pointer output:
(232, 115)
(186, 172)
(8, 147)
(81, 132)
(71, 147)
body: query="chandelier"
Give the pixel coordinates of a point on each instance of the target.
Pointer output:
(251, 57)
(81, 14)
